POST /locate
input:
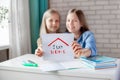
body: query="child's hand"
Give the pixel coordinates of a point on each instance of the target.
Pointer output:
(77, 49)
(39, 52)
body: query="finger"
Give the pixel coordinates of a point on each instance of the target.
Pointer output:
(76, 46)
(78, 53)
(39, 49)
(39, 52)
(74, 42)
(75, 49)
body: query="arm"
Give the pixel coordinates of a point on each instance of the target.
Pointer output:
(79, 51)
(87, 45)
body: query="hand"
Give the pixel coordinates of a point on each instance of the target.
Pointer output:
(77, 49)
(39, 52)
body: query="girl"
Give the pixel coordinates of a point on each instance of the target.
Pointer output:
(50, 24)
(84, 44)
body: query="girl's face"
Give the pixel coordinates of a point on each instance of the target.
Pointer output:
(52, 23)
(72, 23)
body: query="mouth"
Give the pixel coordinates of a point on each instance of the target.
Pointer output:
(54, 26)
(71, 27)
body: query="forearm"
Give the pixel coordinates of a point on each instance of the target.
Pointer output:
(85, 52)
(39, 43)
(39, 50)
(82, 52)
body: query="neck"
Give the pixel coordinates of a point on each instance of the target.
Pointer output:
(77, 35)
(51, 32)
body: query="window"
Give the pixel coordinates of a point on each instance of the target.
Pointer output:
(4, 21)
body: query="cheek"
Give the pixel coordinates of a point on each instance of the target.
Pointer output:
(67, 24)
(78, 25)
(48, 23)
(58, 24)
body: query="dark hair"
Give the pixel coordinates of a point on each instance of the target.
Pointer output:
(81, 18)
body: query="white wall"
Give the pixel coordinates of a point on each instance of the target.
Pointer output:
(103, 17)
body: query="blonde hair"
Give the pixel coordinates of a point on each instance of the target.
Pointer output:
(43, 28)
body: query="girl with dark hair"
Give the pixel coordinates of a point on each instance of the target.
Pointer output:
(84, 44)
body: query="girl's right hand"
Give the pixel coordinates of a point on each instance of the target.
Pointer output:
(39, 52)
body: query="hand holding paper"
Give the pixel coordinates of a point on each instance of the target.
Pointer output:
(57, 47)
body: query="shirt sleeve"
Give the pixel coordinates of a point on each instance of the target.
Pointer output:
(91, 43)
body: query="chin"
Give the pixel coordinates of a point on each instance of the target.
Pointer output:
(71, 31)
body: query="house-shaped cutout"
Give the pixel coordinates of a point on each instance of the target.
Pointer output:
(59, 40)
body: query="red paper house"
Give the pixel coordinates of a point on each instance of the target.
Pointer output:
(59, 40)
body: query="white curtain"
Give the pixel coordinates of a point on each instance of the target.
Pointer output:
(19, 28)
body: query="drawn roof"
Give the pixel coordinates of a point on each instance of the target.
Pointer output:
(60, 40)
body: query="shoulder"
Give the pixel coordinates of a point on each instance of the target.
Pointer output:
(87, 33)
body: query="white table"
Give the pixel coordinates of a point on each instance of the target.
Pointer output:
(13, 70)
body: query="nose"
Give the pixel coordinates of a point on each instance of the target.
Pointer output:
(54, 23)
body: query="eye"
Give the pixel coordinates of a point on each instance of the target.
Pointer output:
(56, 20)
(68, 20)
(75, 20)
(50, 20)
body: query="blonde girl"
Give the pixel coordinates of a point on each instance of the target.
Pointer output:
(50, 24)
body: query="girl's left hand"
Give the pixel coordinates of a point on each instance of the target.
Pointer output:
(77, 49)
